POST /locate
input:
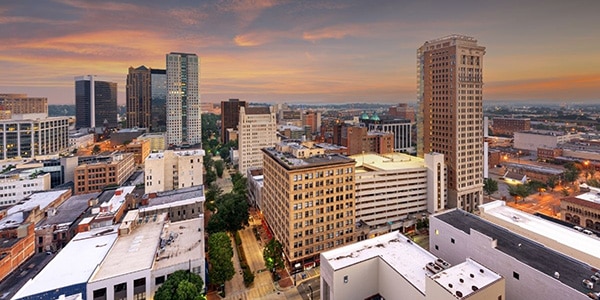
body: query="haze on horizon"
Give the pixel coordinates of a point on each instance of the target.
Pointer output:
(301, 51)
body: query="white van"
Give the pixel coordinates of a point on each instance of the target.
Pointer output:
(578, 228)
(587, 232)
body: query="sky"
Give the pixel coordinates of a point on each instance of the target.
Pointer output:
(301, 51)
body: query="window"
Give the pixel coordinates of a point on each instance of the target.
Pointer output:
(120, 291)
(345, 278)
(516, 275)
(159, 280)
(100, 294)
(436, 247)
(452, 240)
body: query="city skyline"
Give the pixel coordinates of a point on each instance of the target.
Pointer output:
(305, 52)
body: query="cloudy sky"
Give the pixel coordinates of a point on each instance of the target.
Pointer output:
(301, 51)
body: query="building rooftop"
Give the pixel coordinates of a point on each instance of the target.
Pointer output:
(328, 146)
(289, 161)
(82, 255)
(290, 127)
(69, 210)
(466, 278)
(537, 256)
(370, 162)
(187, 243)
(551, 230)
(590, 199)
(166, 197)
(257, 110)
(546, 132)
(536, 168)
(398, 251)
(117, 199)
(43, 199)
(138, 249)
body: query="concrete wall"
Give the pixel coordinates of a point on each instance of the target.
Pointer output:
(531, 284)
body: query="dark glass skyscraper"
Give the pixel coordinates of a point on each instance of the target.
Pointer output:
(159, 100)
(95, 103)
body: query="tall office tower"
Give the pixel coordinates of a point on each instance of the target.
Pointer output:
(308, 201)
(183, 100)
(257, 130)
(95, 103)
(230, 116)
(158, 77)
(450, 115)
(138, 96)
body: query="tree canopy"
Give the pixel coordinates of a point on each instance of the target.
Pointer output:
(181, 285)
(490, 186)
(272, 255)
(220, 253)
(232, 214)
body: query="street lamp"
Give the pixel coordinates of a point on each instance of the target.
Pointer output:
(311, 291)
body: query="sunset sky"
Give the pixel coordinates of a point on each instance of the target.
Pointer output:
(301, 51)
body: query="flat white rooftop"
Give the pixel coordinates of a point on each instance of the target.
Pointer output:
(187, 244)
(593, 195)
(42, 199)
(465, 278)
(74, 264)
(137, 249)
(404, 256)
(550, 230)
(370, 162)
(118, 198)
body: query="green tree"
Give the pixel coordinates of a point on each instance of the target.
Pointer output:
(571, 175)
(181, 284)
(209, 177)
(232, 214)
(208, 162)
(239, 184)
(490, 186)
(220, 253)
(520, 190)
(535, 185)
(273, 255)
(551, 182)
(219, 167)
(96, 149)
(213, 192)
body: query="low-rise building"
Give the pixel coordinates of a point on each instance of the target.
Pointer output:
(17, 184)
(95, 173)
(394, 190)
(170, 170)
(508, 126)
(140, 150)
(181, 204)
(532, 140)
(156, 139)
(153, 248)
(531, 269)
(59, 227)
(69, 272)
(534, 172)
(362, 140)
(566, 240)
(80, 139)
(61, 169)
(582, 210)
(391, 266)
(111, 206)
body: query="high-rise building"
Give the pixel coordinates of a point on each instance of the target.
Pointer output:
(257, 130)
(20, 106)
(95, 103)
(308, 201)
(450, 114)
(230, 116)
(183, 99)
(30, 138)
(139, 94)
(158, 104)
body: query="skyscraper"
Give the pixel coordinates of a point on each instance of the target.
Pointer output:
(158, 77)
(95, 103)
(183, 100)
(450, 115)
(138, 96)
(257, 130)
(230, 116)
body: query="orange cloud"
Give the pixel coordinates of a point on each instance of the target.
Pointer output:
(568, 87)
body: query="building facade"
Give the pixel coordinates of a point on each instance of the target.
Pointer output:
(140, 150)
(450, 114)
(21, 104)
(171, 170)
(95, 103)
(139, 96)
(582, 210)
(394, 190)
(532, 140)
(359, 139)
(401, 128)
(95, 173)
(156, 139)
(30, 138)
(402, 110)
(183, 99)
(17, 185)
(158, 78)
(230, 117)
(308, 201)
(508, 126)
(393, 267)
(531, 270)
(257, 130)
